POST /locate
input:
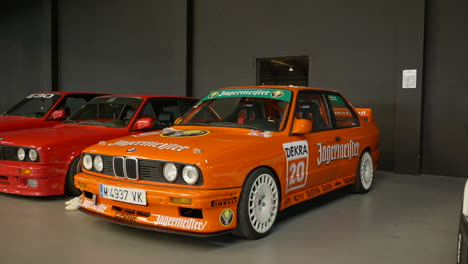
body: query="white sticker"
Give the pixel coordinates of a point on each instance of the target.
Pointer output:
(409, 79)
(47, 96)
(297, 164)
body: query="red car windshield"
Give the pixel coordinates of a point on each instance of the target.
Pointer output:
(107, 111)
(35, 105)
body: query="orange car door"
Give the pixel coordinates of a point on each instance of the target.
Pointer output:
(349, 144)
(307, 163)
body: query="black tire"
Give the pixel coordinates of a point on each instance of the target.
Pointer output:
(364, 174)
(69, 181)
(260, 195)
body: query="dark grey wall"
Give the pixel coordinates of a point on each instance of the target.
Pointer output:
(445, 123)
(122, 46)
(25, 64)
(353, 46)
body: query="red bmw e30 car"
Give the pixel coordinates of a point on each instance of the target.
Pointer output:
(42, 162)
(43, 109)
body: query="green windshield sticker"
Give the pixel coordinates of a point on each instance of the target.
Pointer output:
(335, 99)
(278, 94)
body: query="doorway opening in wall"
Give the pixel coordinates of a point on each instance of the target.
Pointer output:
(283, 71)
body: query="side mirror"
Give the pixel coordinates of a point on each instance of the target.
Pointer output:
(301, 126)
(57, 115)
(143, 123)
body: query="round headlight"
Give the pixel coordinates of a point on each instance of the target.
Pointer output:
(21, 154)
(170, 172)
(32, 154)
(98, 165)
(190, 174)
(87, 162)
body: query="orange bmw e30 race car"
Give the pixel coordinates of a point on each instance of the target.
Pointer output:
(241, 155)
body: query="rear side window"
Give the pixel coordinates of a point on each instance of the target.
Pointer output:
(343, 113)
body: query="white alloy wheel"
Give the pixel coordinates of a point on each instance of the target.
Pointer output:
(263, 203)
(366, 171)
(459, 247)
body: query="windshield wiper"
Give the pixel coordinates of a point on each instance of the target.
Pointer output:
(192, 124)
(230, 124)
(69, 121)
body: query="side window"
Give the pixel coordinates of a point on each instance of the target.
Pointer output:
(72, 103)
(313, 106)
(163, 111)
(344, 114)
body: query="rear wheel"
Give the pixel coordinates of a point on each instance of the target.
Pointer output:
(364, 174)
(258, 205)
(69, 181)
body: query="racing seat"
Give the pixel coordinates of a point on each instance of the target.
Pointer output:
(249, 111)
(311, 111)
(165, 118)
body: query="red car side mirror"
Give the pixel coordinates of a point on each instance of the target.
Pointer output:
(57, 115)
(143, 123)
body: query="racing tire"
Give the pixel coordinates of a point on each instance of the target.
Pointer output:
(69, 181)
(364, 174)
(258, 205)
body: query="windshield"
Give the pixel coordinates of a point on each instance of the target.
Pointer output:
(260, 109)
(35, 105)
(107, 111)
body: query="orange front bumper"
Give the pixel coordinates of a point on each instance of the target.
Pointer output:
(211, 211)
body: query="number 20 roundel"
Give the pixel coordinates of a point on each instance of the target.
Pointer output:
(297, 164)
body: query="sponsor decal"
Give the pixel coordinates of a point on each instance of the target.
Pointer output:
(266, 134)
(153, 144)
(335, 98)
(326, 187)
(152, 133)
(184, 223)
(131, 150)
(95, 207)
(46, 96)
(284, 95)
(287, 201)
(277, 93)
(226, 217)
(297, 164)
(186, 133)
(349, 180)
(125, 217)
(224, 202)
(338, 183)
(298, 197)
(312, 192)
(329, 153)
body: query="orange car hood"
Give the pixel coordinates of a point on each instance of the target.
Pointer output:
(185, 149)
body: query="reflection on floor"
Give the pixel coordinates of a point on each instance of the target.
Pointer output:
(404, 219)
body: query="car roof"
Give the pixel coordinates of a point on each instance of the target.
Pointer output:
(291, 88)
(146, 96)
(67, 93)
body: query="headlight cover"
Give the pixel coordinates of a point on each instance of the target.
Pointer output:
(170, 172)
(98, 164)
(32, 154)
(21, 154)
(87, 162)
(190, 174)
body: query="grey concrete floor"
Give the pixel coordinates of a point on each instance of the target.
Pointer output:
(404, 219)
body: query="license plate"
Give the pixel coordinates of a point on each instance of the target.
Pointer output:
(127, 195)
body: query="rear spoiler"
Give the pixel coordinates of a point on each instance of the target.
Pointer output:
(366, 114)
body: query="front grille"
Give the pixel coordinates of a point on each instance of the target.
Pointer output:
(118, 166)
(140, 169)
(9, 152)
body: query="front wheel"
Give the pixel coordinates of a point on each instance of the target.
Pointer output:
(69, 181)
(258, 205)
(364, 174)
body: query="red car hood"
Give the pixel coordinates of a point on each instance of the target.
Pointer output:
(10, 123)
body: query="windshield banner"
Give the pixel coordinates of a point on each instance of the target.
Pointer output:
(278, 94)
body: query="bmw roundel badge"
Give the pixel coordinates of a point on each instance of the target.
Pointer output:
(132, 150)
